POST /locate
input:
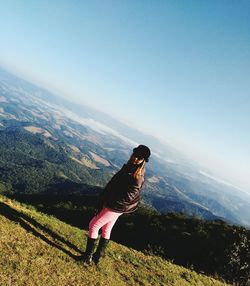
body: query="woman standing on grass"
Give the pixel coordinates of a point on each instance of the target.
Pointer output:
(121, 195)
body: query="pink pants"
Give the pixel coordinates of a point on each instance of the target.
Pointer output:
(104, 220)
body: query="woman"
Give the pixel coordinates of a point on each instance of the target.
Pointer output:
(121, 195)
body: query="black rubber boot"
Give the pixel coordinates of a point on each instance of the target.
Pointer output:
(87, 256)
(100, 251)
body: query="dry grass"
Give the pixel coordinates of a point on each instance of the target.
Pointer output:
(35, 130)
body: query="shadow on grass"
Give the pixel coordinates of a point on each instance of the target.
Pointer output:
(30, 224)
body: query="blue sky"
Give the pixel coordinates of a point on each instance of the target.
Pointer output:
(178, 70)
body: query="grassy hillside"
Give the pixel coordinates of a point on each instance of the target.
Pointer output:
(36, 249)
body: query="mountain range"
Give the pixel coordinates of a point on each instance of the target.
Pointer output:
(47, 140)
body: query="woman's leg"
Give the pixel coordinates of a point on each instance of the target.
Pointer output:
(106, 219)
(106, 229)
(111, 218)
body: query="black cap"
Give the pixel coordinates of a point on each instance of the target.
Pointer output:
(143, 151)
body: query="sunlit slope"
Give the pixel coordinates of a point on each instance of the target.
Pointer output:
(36, 249)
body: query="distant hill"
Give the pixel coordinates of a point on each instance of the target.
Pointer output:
(47, 141)
(40, 250)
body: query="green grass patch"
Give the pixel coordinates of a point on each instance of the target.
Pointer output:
(37, 249)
